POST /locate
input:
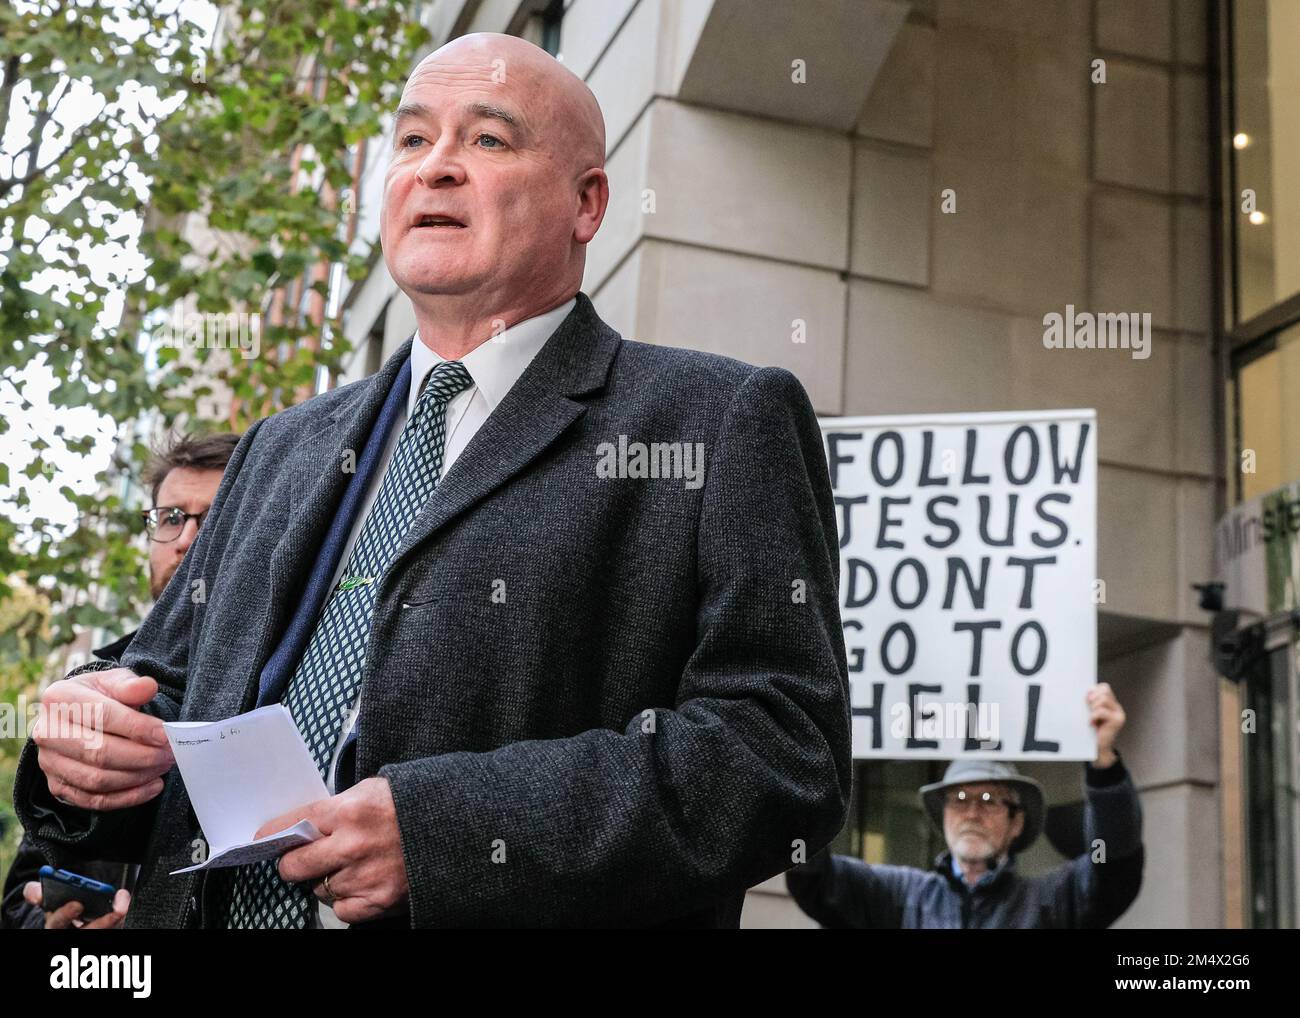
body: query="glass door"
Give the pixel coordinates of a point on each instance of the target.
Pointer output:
(1269, 744)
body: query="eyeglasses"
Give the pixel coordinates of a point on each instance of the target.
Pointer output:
(165, 522)
(984, 803)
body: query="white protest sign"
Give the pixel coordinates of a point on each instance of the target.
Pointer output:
(968, 587)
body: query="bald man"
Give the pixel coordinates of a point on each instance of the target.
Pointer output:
(555, 612)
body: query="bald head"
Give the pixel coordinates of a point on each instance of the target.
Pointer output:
(556, 106)
(495, 186)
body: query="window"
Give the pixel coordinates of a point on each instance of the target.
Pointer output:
(543, 26)
(1270, 755)
(887, 823)
(1260, 142)
(1268, 419)
(1264, 109)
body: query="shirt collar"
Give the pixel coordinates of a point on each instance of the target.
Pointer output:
(496, 364)
(987, 877)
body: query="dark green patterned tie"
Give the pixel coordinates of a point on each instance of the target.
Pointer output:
(327, 680)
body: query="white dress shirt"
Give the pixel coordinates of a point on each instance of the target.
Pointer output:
(494, 366)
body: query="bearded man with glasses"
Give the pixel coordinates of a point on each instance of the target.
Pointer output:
(182, 478)
(989, 813)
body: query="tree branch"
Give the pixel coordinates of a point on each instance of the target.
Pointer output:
(11, 76)
(8, 185)
(42, 120)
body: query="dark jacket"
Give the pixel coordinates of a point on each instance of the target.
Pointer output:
(16, 912)
(653, 715)
(841, 892)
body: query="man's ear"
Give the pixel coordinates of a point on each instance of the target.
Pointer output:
(593, 200)
(1018, 824)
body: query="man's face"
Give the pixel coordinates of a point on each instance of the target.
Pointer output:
(983, 826)
(479, 139)
(193, 491)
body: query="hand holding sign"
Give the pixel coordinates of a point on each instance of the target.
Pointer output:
(1107, 717)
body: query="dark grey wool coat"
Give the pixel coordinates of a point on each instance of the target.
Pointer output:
(525, 722)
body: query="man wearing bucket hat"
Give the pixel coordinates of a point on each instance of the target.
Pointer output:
(989, 813)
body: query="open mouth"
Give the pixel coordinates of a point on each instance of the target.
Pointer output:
(438, 222)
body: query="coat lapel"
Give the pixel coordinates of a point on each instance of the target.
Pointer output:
(538, 408)
(322, 481)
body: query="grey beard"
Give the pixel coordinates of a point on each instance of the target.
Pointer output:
(990, 859)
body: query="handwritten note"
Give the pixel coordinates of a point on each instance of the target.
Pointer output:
(240, 773)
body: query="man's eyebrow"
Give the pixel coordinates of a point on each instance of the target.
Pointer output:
(477, 109)
(411, 110)
(494, 112)
(523, 134)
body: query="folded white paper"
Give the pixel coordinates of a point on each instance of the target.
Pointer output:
(239, 774)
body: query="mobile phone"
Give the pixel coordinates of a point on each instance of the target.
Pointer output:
(58, 887)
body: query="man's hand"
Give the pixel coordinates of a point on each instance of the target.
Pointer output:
(1107, 716)
(97, 750)
(67, 917)
(361, 852)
